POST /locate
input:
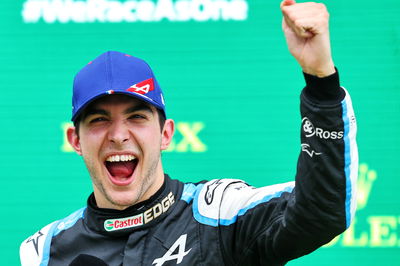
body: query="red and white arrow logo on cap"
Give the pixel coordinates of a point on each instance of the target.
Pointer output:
(142, 87)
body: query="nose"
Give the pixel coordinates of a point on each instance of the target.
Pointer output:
(118, 132)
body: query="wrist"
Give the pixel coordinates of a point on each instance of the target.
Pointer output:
(320, 72)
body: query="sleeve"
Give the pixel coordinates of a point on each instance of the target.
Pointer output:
(272, 225)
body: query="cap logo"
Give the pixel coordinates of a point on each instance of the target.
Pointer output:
(142, 87)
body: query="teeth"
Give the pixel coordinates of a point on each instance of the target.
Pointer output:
(120, 158)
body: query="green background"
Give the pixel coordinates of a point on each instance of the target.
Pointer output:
(235, 77)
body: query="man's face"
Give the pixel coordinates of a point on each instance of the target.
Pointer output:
(120, 141)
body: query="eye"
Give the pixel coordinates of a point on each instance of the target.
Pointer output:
(137, 116)
(97, 119)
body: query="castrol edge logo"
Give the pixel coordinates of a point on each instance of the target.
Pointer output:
(142, 218)
(128, 222)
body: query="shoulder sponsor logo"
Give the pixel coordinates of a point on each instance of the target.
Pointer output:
(142, 218)
(307, 149)
(209, 195)
(310, 130)
(35, 241)
(142, 87)
(112, 11)
(241, 185)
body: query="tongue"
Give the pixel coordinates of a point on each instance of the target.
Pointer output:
(121, 169)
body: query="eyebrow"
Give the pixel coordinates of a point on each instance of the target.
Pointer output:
(95, 112)
(139, 107)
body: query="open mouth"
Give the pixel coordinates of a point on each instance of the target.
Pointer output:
(121, 168)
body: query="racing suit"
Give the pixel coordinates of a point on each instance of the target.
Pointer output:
(225, 221)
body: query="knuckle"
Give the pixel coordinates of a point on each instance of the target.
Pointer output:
(321, 6)
(297, 23)
(326, 16)
(294, 17)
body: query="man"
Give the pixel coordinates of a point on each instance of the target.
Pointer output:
(137, 215)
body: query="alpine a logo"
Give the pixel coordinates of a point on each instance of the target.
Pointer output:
(310, 130)
(143, 218)
(142, 87)
(176, 252)
(114, 11)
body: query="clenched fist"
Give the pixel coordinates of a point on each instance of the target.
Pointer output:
(306, 28)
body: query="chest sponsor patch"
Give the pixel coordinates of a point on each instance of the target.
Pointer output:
(123, 223)
(143, 218)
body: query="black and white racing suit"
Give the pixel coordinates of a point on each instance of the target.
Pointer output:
(225, 221)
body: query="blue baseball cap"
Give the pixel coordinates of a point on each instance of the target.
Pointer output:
(115, 73)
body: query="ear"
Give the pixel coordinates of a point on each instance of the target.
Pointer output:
(167, 133)
(73, 140)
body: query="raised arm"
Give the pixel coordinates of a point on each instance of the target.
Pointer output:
(278, 223)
